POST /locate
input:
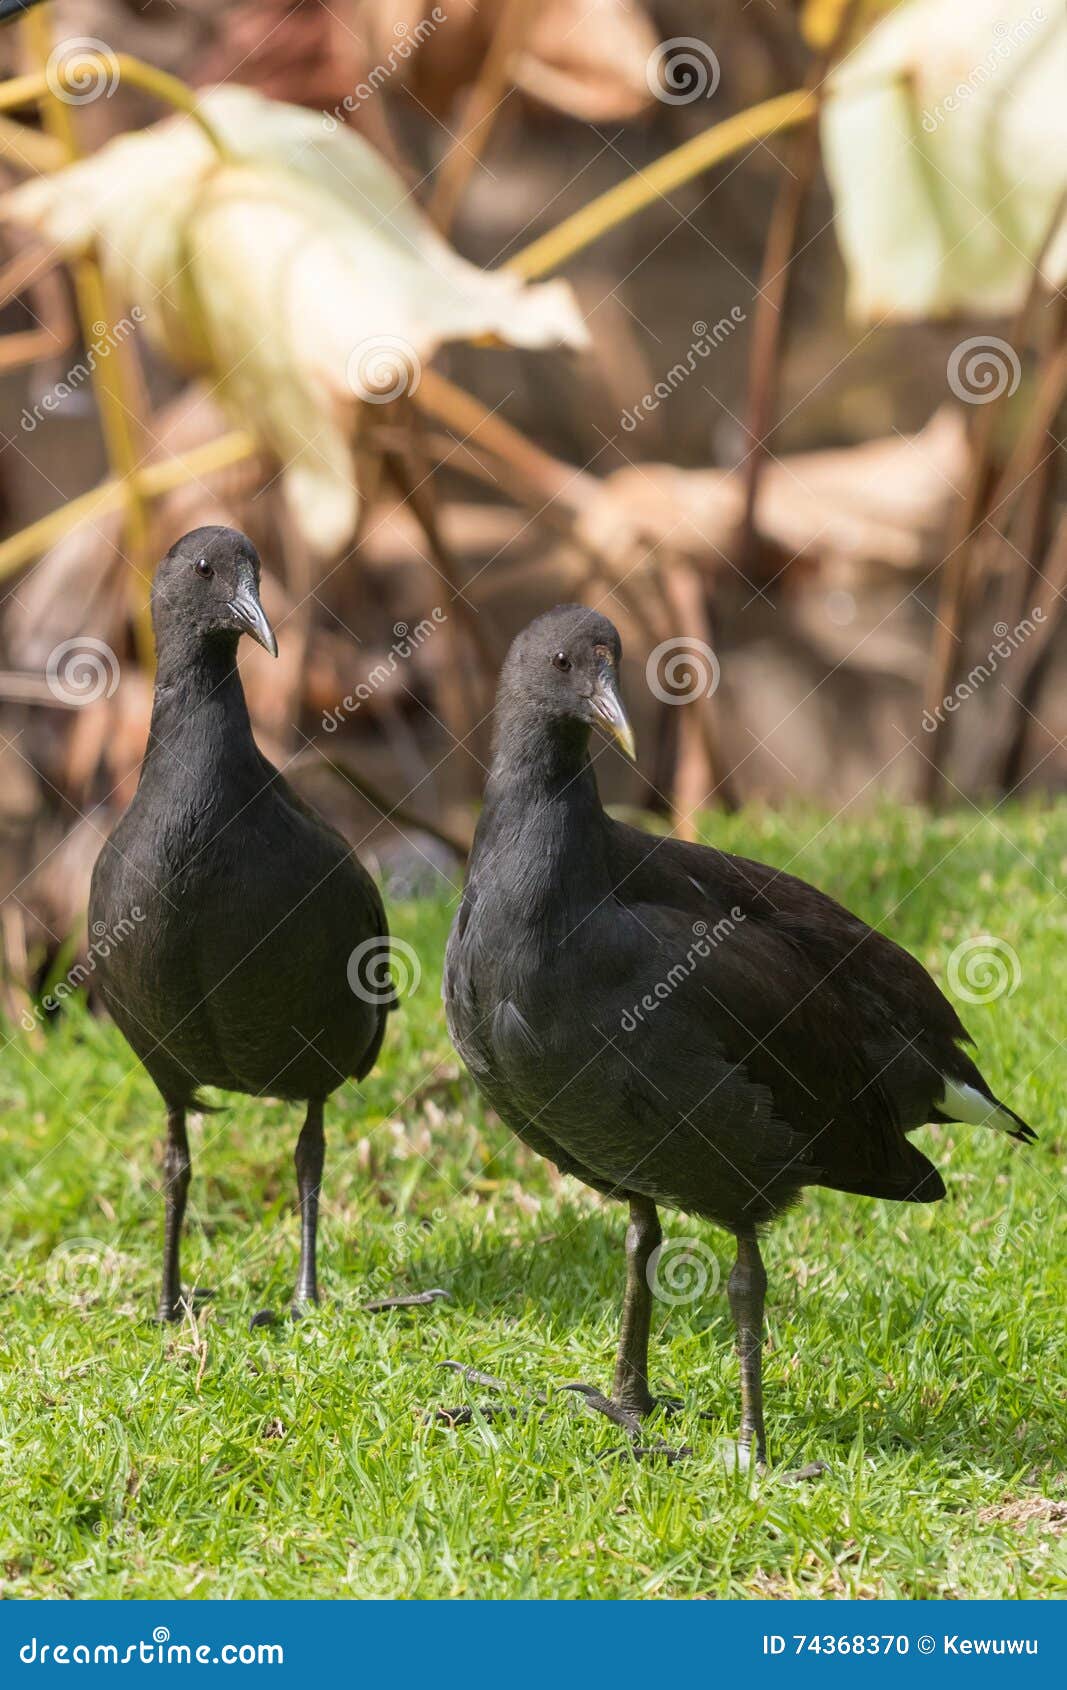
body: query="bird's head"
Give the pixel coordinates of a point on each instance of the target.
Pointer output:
(565, 669)
(207, 587)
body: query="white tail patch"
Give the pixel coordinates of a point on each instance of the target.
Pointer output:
(966, 1103)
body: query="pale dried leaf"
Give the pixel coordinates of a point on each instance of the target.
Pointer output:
(297, 274)
(944, 142)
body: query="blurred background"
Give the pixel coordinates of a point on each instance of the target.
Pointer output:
(743, 322)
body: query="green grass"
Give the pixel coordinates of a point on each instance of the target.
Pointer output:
(918, 1351)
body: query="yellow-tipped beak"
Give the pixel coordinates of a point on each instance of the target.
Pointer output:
(610, 717)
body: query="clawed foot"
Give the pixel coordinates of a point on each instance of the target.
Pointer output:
(465, 1413)
(630, 1418)
(412, 1300)
(804, 1475)
(307, 1305)
(738, 1456)
(299, 1307)
(185, 1303)
(620, 1414)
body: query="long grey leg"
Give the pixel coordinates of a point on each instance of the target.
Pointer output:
(746, 1288)
(310, 1156)
(177, 1169)
(643, 1237)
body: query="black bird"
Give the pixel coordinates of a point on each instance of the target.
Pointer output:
(243, 917)
(674, 1025)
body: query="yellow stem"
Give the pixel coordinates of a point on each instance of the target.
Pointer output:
(111, 372)
(152, 481)
(785, 111)
(170, 90)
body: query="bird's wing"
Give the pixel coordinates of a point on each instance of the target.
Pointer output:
(845, 1031)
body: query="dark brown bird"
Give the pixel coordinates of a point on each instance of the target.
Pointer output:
(255, 955)
(674, 1025)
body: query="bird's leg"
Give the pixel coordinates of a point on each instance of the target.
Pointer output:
(177, 1168)
(643, 1237)
(310, 1156)
(746, 1289)
(631, 1400)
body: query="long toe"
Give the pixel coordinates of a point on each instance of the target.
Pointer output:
(621, 1414)
(464, 1414)
(628, 1418)
(410, 1300)
(803, 1475)
(265, 1317)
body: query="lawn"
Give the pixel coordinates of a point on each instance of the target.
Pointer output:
(917, 1351)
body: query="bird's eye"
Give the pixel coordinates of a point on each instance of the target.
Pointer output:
(562, 661)
(204, 568)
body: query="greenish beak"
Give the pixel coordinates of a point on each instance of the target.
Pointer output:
(250, 614)
(609, 715)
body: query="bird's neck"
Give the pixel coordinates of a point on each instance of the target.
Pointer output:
(542, 839)
(199, 699)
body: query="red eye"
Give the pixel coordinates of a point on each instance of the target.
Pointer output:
(204, 568)
(562, 661)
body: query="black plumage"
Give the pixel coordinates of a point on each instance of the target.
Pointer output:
(254, 948)
(674, 1025)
